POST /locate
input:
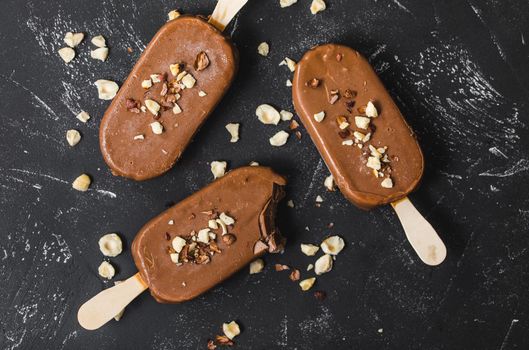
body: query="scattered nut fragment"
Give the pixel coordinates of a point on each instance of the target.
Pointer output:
(267, 114)
(178, 244)
(323, 264)
(281, 267)
(362, 122)
(371, 110)
(290, 203)
(329, 183)
(319, 116)
(263, 49)
(222, 226)
(177, 109)
(279, 139)
(310, 267)
(228, 220)
(202, 93)
(347, 142)
(157, 128)
(67, 54)
(106, 89)
(288, 83)
(110, 245)
(319, 199)
(73, 39)
(317, 6)
(259, 247)
(373, 163)
(146, 84)
(254, 164)
(291, 64)
(139, 137)
(387, 183)
(307, 283)
(152, 106)
(218, 168)
(175, 68)
(229, 239)
(332, 245)
(287, 3)
(256, 266)
(203, 235)
(231, 330)
(99, 54)
(99, 41)
(309, 249)
(174, 14)
(233, 129)
(189, 81)
(73, 137)
(81, 183)
(106, 270)
(295, 275)
(286, 115)
(201, 61)
(156, 78)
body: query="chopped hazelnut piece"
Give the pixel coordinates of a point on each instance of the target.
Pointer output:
(387, 183)
(329, 183)
(157, 128)
(319, 116)
(358, 135)
(228, 220)
(139, 137)
(189, 81)
(286, 115)
(293, 125)
(309, 249)
(319, 199)
(342, 122)
(233, 129)
(201, 62)
(332, 245)
(371, 110)
(290, 203)
(212, 224)
(106, 270)
(218, 168)
(279, 139)
(317, 6)
(288, 83)
(310, 267)
(222, 226)
(175, 257)
(175, 69)
(287, 3)
(174, 14)
(362, 122)
(110, 245)
(267, 114)
(83, 116)
(156, 78)
(254, 164)
(373, 163)
(106, 89)
(228, 239)
(99, 41)
(294, 275)
(146, 84)
(202, 93)
(177, 109)
(347, 143)
(73, 137)
(73, 39)
(313, 83)
(281, 267)
(178, 244)
(152, 106)
(99, 54)
(307, 283)
(256, 266)
(291, 64)
(231, 330)
(323, 264)
(263, 49)
(81, 183)
(67, 54)
(203, 236)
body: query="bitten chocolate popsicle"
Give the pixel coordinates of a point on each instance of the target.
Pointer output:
(363, 138)
(179, 79)
(198, 243)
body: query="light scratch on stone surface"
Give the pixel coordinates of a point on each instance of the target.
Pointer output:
(520, 166)
(506, 338)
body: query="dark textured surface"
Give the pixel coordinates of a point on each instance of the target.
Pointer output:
(459, 72)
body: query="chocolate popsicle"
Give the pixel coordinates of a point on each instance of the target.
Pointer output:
(179, 79)
(363, 138)
(198, 243)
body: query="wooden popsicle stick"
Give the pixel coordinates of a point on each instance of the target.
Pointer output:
(421, 235)
(224, 12)
(109, 302)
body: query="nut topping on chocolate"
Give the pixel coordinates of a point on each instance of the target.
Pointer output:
(201, 62)
(313, 83)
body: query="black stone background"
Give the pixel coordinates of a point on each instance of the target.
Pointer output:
(459, 72)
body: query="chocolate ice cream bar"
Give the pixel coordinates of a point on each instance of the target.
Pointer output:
(363, 138)
(198, 243)
(179, 79)
(359, 131)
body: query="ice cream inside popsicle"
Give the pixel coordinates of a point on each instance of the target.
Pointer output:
(177, 82)
(210, 235)
(363, 138)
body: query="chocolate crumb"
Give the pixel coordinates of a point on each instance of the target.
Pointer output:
(293, 125)
(313, 83)
(201, 62)
(295, 275)
(344, 133)
(320, 295)
(349, 94)
(132, 105)
(362, 109)
(349, 106)
(223, 340)
(229, 239)
(298, 135)
(280, 267)
(211, 345)
(167, 236)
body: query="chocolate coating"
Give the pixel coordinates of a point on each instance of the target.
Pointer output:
(339, 68)
(249, 195)
(178, 41)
